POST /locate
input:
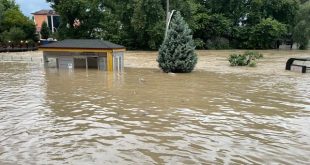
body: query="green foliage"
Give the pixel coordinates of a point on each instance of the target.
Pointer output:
(211, 29)
(252, 63)
(109, 28)
(15, 35)
(1, 12)
(148, 23)
(253, 24)
(302, 28)
(218, 43)
(1, 20)
(200, 44)
(265, 34)
(87, 13)
(177, 53)
(216, 24)
(13, 17)
(248, 58)
(45, 32)
(138, 24)
(12, 21)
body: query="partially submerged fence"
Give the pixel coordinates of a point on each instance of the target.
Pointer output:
(20, 58)
(18, 49)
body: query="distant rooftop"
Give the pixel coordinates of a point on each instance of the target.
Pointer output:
(45, 12)
(83, 44)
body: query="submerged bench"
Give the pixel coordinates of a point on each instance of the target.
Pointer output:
(297, 67)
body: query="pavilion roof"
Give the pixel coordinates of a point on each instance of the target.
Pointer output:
(83, 44)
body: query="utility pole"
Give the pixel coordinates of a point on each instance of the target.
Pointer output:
(167, 19)
(167, 12)
(169, 16)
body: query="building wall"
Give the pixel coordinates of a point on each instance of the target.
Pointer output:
(39, 19)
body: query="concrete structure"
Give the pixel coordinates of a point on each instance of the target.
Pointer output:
(85, 53)
(49, 16)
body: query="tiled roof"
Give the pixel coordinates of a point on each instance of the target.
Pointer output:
(83, 44)
(45, 12)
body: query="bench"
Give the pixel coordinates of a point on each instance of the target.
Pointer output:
(297, 67)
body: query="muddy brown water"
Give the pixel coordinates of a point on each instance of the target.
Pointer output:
(144, 116)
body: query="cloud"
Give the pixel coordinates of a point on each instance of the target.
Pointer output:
(30, 6)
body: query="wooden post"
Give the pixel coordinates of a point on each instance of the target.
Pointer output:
(98, 63)
(86, 62)
(167, 18)
(110, 61)
(57, 62)
(45, 60)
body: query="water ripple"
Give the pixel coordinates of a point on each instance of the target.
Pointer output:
(60, 117)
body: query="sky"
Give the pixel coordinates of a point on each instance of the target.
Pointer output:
(30, 6)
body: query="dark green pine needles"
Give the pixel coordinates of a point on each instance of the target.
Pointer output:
(177, 52)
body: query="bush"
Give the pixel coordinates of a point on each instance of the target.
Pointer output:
(248, 58)
(15, 35)
(218, 43)
(265, 34)
(199, 43)
(177, 53)
(45, 31)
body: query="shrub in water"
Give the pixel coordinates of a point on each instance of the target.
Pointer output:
(177, 53)
(252, 63)
(248, 58)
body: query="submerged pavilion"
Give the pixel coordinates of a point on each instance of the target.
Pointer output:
(85, 53)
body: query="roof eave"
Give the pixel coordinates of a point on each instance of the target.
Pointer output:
(59, 49)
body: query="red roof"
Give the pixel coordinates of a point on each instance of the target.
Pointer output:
(45, 12)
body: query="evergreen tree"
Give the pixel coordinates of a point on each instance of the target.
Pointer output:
(177, 53)
(45, 32)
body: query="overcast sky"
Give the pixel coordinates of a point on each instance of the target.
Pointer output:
(30, 6)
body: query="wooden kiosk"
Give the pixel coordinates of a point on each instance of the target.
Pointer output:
(85, 53)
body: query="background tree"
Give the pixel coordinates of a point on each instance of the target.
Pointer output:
(87, 13)
(302, 28)
(266, 34)
(138, 24)
(246, 16)
(212, 29)
(14, 35)
(45, 32)
(216, 24)
(109, 28)
(177, 53)
(148, 23)
(13, 21)
(1, 19)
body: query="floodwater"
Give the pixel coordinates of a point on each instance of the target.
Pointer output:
(144, 116)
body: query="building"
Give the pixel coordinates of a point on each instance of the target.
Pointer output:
(49, 16)
(85, 53)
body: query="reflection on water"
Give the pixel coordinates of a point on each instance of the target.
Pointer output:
(148, 117)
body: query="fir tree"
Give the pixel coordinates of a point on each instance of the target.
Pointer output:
(177, 53)
(45, 32)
